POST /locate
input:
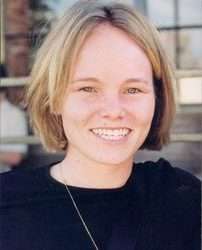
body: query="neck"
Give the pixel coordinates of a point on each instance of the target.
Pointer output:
(87, 174)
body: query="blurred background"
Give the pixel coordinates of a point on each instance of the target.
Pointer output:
(25, 23)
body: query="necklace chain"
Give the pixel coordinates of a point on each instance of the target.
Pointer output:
(81, 217)
(79, 213)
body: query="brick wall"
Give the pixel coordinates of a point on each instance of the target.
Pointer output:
(17, 46)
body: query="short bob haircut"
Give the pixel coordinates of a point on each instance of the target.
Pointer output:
(57, 56)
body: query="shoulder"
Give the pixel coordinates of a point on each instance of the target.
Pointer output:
(171, 177)
(161, 180)
(14, 113)
(8, 106)
(171, 186)
(172, 191)
(23, 186)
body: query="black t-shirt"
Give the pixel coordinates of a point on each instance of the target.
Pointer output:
(161, 203)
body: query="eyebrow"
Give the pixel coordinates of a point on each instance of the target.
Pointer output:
(87, 79)
(93, 79)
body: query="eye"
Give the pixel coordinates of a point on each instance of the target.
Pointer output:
(133, 90)
(87, 89)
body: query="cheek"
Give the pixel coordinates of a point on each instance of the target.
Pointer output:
(143, 110)
(76, 110)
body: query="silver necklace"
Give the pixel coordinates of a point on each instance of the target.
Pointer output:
(78, 211)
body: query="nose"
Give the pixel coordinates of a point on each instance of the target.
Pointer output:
(112, 107)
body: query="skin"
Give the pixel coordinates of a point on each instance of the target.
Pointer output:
(112, 87)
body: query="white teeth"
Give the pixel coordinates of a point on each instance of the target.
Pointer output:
(111, 137)
(111, 134)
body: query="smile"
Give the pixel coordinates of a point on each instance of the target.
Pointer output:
(111, 134)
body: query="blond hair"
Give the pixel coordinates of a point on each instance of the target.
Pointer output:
(57, 56)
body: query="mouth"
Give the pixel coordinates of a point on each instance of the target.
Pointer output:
(111, 134)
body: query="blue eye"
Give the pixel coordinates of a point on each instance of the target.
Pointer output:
(87, 89)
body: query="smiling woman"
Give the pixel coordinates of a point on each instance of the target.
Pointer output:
(100, 90)
(106, 102)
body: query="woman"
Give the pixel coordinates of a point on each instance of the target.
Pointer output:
(101, 89)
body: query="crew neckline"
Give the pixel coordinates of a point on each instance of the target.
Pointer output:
(85, 190)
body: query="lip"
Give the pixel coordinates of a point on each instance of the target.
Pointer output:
(122, 140)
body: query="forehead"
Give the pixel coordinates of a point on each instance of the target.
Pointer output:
(108, 47)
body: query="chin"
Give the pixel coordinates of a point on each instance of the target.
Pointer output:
(112, 160)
